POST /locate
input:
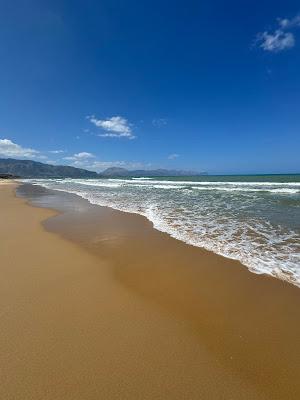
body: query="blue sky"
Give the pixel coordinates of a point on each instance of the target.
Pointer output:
(208, 85)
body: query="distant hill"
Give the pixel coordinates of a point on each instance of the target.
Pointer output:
(123, 172)
(114, 171)
(34, 169)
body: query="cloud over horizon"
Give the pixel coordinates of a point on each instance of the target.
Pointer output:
(98, 165)
(89, 161)
(115, 127)
(83, 159)
(11, 149)
(80, 156)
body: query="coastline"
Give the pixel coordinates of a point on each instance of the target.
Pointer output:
(120, 310)
(255, 223)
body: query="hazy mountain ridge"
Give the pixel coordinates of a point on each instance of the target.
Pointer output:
(35, 169)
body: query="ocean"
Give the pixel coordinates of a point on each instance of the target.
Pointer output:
(253, 219)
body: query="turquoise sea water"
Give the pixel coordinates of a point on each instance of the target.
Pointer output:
(254, 219)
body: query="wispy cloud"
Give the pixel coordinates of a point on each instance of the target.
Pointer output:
(56, 151)
(286, 23)
(159, 122)
(99, 165)
(115, 127)
(173, 156)
(279, 39)
(80, 156)
(89, 161)
(276, 41)
(11, 149)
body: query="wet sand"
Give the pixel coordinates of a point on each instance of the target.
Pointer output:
(97, 304)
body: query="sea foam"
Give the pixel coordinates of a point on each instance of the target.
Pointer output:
(257, 223)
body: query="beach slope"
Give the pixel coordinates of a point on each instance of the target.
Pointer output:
(78, 325)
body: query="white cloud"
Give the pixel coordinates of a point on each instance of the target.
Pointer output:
(102, 165)
(286, 23)
(11, 149)
(98, 165)
(173, 156)
(276, 41)
(115, 126)
(159, 122)
(56, 151)
(279, 39)
(80, 156)
(84, 155)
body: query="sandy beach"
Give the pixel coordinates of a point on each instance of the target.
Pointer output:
(96, 304)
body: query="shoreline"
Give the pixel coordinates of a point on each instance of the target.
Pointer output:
(262, 258)
(211, 328)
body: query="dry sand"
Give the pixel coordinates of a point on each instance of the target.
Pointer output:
(102, 306)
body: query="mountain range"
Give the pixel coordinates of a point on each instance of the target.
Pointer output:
(35, 169)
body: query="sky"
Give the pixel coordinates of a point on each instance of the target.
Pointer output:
(197, 85)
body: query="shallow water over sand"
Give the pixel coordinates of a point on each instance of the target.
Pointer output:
(255, 220)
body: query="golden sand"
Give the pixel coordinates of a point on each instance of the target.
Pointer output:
(121, 311)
